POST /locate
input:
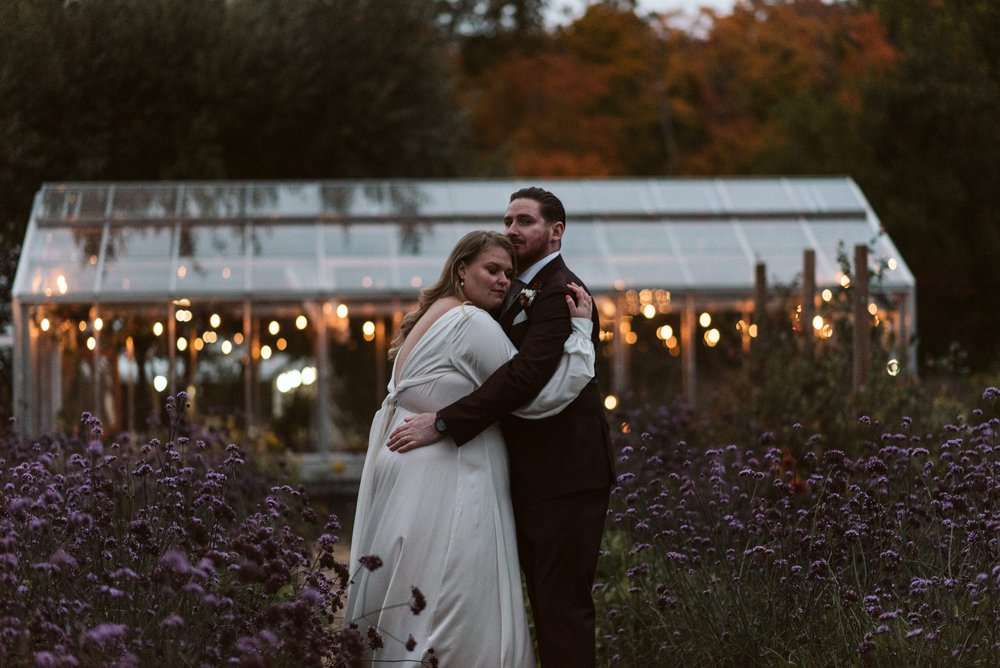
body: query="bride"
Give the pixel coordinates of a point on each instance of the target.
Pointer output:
(439, 518)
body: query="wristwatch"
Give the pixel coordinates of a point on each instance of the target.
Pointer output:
(440, 425)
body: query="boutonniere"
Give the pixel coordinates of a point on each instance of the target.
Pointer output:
(527, 296)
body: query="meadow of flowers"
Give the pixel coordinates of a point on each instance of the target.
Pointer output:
(882, 550)
(161, 554)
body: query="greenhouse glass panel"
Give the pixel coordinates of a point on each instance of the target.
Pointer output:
(211, 259)
(686, 196)
(851, 232)
(357, 240)
(618, 197)
(130, 203)
(366, 276)
(213, 202)
(831, 194)
(429, 240)
(285, 240)
(754, 195)
(481, 199)
(62, 261)
(625, 238)
(285, 258)
(644, 271)
(288, 200)
(766, 237)
(75, 203)
(721, 268)
(138, 259)
(699, 240)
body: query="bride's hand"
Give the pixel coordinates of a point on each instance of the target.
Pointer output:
(582, 306)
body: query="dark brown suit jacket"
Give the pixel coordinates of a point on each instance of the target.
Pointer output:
(568, 452)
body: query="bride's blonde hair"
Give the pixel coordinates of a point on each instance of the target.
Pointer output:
(449, 284)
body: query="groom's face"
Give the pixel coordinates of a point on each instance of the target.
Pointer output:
(532, 236)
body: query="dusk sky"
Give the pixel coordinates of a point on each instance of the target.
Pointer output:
(558, 8)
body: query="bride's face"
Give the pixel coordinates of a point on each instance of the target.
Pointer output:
(487, 278)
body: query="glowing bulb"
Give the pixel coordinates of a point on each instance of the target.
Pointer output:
(705, 319)
(665, 332)
(873, 309)
(416, 282)
(61, 284)
(281, 344)
(342, 311)
(753, 331)
(610, 402)
(671, 343)
(227, 347)
(226, 272)
(238, 338)
(199, 343)
(892, 367)
(631, 337)
(892, 264)
(274, 327)
(818, 322)
(157, 328)
(98, 324)
(845, 281)
(309, 375)
(265, 352)
(160, 383)
(301, 322)
(83, 325)
(712, 337)
(91, 343)
(182, 344)
(827, 295)
(368, 330)
(181, 271)
(649, 311)
(215, 320)
(827, 331)
(44, 324)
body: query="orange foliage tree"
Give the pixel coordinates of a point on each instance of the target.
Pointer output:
(770, 88)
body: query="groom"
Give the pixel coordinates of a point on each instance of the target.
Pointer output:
(560, 467)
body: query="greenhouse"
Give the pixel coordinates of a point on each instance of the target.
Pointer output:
(273, 303)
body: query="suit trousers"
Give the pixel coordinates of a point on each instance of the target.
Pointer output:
(558, 542)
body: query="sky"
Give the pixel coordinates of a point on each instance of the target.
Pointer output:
(558, 8)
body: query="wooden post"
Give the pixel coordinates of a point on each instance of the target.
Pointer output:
(249, 368)
(808, 301)
(324, 434)
(619, 349)
(381, 356)
(689, 369)
(862, 330)
(759, 294)
(759, 314)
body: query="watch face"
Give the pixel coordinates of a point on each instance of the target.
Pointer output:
(440, 425)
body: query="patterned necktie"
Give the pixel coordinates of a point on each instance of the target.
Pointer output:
(516, 286)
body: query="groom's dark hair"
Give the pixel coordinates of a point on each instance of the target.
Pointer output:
(549, 205)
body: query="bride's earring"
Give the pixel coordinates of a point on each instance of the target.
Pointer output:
(461, 282)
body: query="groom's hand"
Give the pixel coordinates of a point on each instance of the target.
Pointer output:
(415, 432)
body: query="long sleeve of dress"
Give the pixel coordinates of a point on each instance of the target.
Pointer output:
(483, 348)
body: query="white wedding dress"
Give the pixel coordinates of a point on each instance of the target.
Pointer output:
(440, 516)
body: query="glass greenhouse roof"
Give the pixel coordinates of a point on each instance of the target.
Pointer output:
(136, 242)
